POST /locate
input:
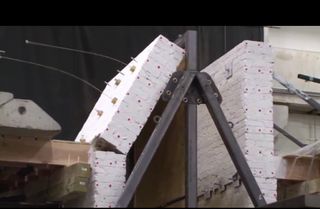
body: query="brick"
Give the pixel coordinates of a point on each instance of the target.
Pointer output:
(247, 102)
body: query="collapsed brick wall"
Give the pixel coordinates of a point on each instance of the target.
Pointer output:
(244, 79)
(119, 116)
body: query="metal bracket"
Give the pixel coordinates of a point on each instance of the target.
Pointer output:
(193, 95)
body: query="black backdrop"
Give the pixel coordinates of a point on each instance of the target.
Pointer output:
(69, 101)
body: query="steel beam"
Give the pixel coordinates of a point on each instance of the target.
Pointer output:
(289, 136)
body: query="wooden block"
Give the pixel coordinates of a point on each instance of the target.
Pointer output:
(63, 184)
(299, 167)
(306, 187)
(15, 151)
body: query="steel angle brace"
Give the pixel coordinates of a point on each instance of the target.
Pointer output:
(210, 97)
(191, 87)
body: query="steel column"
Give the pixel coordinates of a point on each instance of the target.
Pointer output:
(191, 177)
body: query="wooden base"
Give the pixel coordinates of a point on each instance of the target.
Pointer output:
(17, 152)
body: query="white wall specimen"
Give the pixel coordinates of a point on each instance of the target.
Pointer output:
(248, 104)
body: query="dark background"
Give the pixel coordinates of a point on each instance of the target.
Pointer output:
(69, 101)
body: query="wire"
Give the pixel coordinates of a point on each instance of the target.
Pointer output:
(74, 50)
(52, 68)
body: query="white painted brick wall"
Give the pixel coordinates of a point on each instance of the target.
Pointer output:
(247, 103)
(107, 180)
(120, 123)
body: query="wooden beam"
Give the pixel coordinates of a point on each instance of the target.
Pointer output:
(299, 168)
(23, 151)
(301, 188)
(64, 184)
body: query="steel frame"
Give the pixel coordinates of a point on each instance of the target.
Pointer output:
(191, 80)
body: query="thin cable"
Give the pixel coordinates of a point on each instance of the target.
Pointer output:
(74, 50)
(52, 68)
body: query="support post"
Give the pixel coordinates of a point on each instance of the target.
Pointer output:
(191, 143)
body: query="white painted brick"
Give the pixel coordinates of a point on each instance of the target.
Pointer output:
(248, 103)
(137, 94)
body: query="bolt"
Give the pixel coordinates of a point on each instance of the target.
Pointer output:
(185, 100)
(174, 80)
